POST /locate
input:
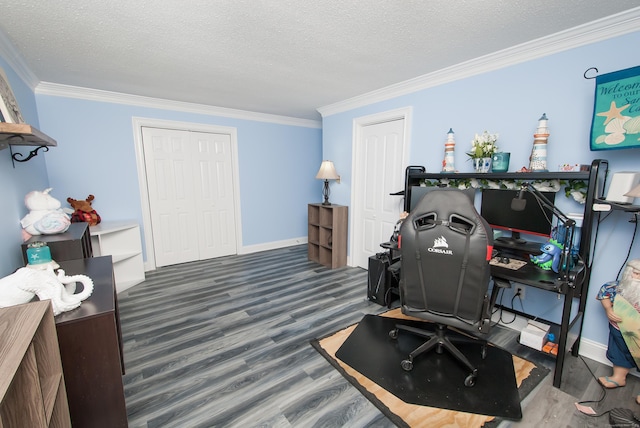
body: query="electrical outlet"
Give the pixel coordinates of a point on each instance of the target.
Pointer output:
(519, 289)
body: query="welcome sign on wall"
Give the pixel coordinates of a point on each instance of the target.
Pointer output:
(616, 110)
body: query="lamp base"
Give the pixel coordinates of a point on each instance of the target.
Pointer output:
(325, 193)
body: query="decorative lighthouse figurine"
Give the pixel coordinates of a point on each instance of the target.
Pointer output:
(448, 164)
(538, 158)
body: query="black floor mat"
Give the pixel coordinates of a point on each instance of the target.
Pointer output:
(437, 380)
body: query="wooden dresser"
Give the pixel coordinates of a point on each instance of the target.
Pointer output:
(91, 350)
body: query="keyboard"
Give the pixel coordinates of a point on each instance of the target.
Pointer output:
(507, 263)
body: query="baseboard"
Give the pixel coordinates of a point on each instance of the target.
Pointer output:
(249, 249)
(594, 351)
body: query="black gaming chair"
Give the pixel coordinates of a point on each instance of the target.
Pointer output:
(445, 248)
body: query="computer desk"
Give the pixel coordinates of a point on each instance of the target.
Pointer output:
(570, 328)
(574, 289)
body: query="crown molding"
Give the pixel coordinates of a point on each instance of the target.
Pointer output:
(59, 90)
(15, 60)
(612, 26)
(20, 67)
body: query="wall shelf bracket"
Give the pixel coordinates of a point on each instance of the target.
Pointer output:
(19, 157)
(21, 134)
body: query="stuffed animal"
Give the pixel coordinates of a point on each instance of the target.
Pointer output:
(550, 257)
(45, 215)
(83, 211)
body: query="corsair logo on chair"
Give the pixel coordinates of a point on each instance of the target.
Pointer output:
(440, 246)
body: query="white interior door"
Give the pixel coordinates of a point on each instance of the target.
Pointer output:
(191, 198)
(214, 196)
(378, 171)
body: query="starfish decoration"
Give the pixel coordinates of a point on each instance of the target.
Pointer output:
(613, 113)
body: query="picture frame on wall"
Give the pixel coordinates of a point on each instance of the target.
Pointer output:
(9, 110)
(616, 110)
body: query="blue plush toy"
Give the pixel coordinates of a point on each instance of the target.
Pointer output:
(550, 257)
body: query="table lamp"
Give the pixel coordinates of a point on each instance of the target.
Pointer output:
(327, 172)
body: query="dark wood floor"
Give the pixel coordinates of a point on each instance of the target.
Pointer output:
(225, 342)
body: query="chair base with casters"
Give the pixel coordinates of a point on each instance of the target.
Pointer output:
(440, 341)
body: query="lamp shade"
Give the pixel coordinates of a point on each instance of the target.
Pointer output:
(633, 193)
(327, 171)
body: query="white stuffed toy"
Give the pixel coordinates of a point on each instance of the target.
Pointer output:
(21, 286)
(45, 216)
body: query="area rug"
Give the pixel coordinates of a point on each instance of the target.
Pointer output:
(403, 414)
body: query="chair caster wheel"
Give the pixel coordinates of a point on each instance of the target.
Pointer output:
(393, 333)
(470, 380)
(407, 365)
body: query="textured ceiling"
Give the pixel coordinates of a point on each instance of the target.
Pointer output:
(281, 57)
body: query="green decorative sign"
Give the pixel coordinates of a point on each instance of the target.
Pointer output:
(616, 110)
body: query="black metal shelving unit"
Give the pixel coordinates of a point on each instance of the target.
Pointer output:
(571, 289)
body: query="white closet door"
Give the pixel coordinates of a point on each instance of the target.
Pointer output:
(189, 177)
(214, 197)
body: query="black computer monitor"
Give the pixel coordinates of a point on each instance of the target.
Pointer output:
(533, 220)
(418, 192)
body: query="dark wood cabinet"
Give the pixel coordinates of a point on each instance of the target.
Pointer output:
(91, 350)
(73, 244)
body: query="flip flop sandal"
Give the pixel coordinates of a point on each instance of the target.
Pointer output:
(616, 384)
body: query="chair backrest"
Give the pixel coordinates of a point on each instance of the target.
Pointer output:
(446, 247)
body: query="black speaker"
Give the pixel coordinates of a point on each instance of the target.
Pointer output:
(382, 285)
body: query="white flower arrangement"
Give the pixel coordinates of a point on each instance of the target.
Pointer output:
(483, 146)
(575, 189)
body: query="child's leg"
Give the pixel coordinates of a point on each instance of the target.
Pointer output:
(620, 357)
(617, 378)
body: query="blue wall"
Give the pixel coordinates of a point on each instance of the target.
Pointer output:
(509, 101)
(96, 155)
(18, 181)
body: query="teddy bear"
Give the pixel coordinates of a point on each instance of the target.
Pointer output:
(83, 211)
(45, 216)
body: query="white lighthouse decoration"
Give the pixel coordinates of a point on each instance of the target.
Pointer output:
(448, 164)
(538, 158)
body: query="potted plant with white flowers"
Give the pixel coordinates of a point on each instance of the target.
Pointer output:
(482, 149)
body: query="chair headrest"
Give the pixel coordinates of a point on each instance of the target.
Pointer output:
(448, 207)
(445, 202)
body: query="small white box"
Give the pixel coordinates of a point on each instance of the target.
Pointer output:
(534, 335)
(621, 183)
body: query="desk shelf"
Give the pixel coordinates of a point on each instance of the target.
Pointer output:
(615, 206)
